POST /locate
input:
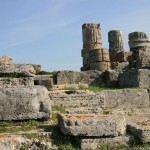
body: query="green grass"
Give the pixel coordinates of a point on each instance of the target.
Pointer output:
(12, 127)
(12, 75)
(57, 109)
(96, 88)
(70, 88)
(46, 72)
(130, 113)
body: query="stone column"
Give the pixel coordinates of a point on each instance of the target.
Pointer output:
(137, 40)
(140, 47)
(94, 56)
(115, 39)
(91, 36)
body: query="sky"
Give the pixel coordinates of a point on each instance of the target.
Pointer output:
(49, 32)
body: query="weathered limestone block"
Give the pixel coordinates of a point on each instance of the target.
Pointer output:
(44, 80)
(101, 66)
(17, 70)
(11, 142)
(18, 142)
(92, 125)
(119, 66)
(142, 58)
(6, 60)
(36, 67)
(85, 110)
(115, 39)
(91, 36)
(99, 55)
(20, 103)
(127, 99)
(138, 39)
(119, 61)
(95, 77)
(111, 78)
(10, 82)
(77, 99)
(123, 56)
(139, 126)
(93, 143)
(135, 78)
(71, 77)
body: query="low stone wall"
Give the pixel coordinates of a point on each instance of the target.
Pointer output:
(127, 99)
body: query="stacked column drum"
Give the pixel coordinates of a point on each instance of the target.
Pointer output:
(94, 56)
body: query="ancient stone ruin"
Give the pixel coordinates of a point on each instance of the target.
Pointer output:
(94, 56)
(116, 116)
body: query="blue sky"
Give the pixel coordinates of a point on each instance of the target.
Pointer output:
(48, 32)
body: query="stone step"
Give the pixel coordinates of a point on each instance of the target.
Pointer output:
(93, 143)
(140, 127)
(94, 125)
(84, 110)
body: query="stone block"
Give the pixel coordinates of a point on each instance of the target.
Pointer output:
(123, 56)
(127, 99)
(6, 60)
(22, 103)
(95, 77)
(71, 77)
(77, 99)
(112, 142)
(20, 70)
(36, 67)
(85, 110)
(101, 66)
(111, 78)
(119, 65)
(142, 57)
(44, 80)
(92, 125)
(99, 55)
(10, 82)
(135, 78)
(139, 126)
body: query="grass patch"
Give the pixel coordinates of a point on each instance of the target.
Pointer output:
(96, 88)
(46, 72)
(130, 113)
(12, 127)
(57, 109)
(70, 88)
